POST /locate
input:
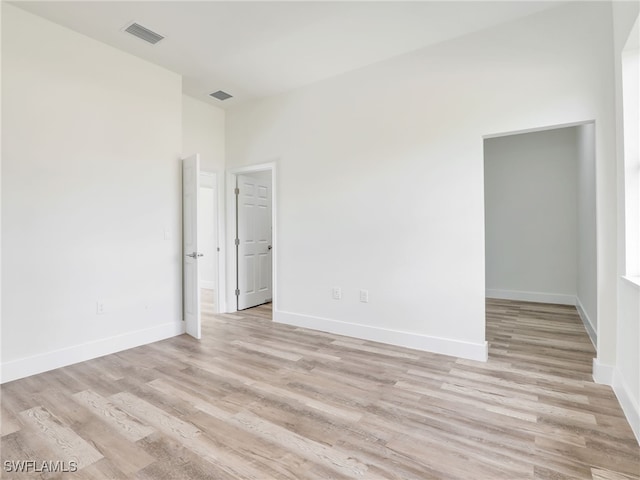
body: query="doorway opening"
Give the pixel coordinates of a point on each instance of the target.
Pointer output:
(251, 260)
(208, 243)
(540, 219)
(202, 262)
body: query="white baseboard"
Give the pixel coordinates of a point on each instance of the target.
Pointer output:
(610, 375)
(630, 407)
(588, 324)
(602, 373)
(538, 297)
(445, 346)
(44, 362)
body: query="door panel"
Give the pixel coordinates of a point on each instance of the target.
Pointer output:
(191, 287)
(254, 235)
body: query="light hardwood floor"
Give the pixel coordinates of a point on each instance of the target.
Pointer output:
(260, 400)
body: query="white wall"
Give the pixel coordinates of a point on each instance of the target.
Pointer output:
(587, 279)
(90, 197)
(626, 373)
(631, 113)
(203, 132)
(380, 173)
(0, 198)
(531, 216)
(620, 366)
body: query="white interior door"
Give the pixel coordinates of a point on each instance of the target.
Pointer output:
(253, 194)
(191, 287)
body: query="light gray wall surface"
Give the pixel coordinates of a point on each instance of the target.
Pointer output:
(531, 216)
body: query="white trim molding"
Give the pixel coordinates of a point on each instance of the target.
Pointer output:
(25, 367)
(602, 373)
(416, 341)
(610, 375)
(538, 297)
(632, 279)
(630, 406)
(588, 324)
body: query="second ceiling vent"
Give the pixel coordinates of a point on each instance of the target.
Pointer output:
(143, 33)
(220, 95)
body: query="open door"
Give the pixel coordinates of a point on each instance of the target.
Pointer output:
(254, 247)
(190, 281)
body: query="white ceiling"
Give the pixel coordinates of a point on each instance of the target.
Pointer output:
(256, 49)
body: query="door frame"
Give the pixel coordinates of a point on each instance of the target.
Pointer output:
(231, 270)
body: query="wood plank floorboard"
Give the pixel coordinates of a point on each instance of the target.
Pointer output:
(260, 400)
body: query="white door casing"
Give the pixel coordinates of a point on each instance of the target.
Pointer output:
(191, 287)
(254, 234)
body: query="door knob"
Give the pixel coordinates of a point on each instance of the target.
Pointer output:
(194, 255)
(269, 247)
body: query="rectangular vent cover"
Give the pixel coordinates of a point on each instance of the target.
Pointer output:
(220, 95)
(144, 33)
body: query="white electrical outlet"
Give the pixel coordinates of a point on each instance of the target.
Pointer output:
(99, 308)
(336, 293)
(364, 296)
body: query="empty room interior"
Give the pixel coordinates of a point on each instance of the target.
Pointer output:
(312, 240)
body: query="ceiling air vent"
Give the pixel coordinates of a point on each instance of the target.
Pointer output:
(143, 33)
(220, 95)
